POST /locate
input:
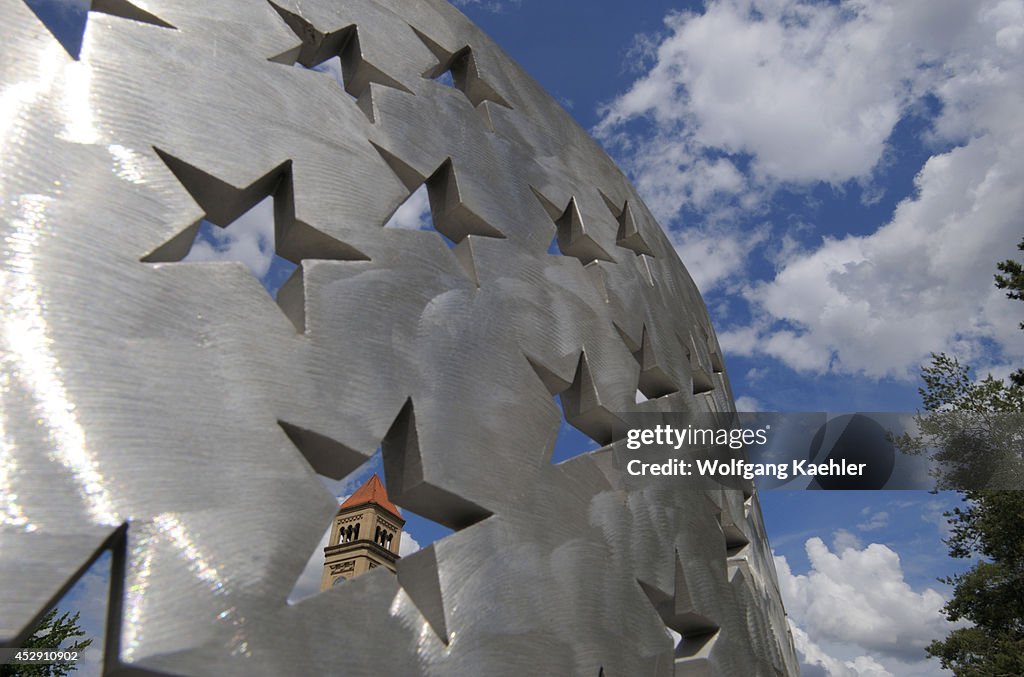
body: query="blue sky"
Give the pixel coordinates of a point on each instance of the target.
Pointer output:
(840, 178)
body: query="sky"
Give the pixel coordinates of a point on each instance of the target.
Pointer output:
(840, 178)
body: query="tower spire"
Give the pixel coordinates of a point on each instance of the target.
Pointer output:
(366, 533)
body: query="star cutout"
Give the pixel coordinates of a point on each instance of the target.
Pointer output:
(654, 380)
(85, 555)
(224, 204)
(318, 48)
(572, 235)
(702, 380)
(714, 353)
(629, 235)
(695, 634)
(445, 212)
(67, 20)
(409, 489)
(582, 405)
(465, 76)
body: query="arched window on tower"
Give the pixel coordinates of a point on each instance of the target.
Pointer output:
(355, 534)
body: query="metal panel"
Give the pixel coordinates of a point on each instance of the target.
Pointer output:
(178, 399)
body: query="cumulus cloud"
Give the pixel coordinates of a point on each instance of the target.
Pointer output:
(843, 540)
(408, 545)
(308, 583)
(747, 403)
(249, 239)
(857, 598)
(921, 283)
(496, 6)
(414, 213)
(753, 96)
(876, 520)
(809, 92)
(822, 663)
(712, 255)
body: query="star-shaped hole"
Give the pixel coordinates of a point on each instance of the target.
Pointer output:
(702, 379)
(630, 236)
(572, 235)
(436, 203)
(67, 19)
(693, 634)
(259, 229)
(336, 53)
(459, 69)
(429, 512)
(248, 239)
(585, 421)
(654, 380)
(86, 607)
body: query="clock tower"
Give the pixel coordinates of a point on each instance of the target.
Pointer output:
(366, 534)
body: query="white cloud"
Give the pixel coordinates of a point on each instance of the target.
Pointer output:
(843, 540)
(249, 239)
(308, 583)
(331, 67)
(408, 545)
(747, 403)
(877, 520)
(922, 283)
(713, 255)
(934, 512)
(858, 599)
(414, 213)
(814, 655)
(810, 92)
(496, 6)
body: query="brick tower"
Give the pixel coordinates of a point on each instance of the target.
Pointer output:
(366, 534)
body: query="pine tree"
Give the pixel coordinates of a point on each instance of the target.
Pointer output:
(1013, 281)
(51, 633)
(991, 593)
(978, 427)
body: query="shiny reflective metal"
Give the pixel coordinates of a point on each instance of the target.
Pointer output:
(172, 413)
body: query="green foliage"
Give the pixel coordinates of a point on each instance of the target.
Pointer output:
(1013, 281)
(990, 594)
(972, 431)
(975, 431)
(1013, 278)
(948, 385)
(51, 633)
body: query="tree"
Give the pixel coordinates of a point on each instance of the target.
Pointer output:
(51, 633)
(972, 431)
(991, 593)
(1013, 280)
(977, 426)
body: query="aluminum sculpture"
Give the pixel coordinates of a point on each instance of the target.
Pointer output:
(173, 413)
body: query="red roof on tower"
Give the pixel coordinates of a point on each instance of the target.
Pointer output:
(372, 491)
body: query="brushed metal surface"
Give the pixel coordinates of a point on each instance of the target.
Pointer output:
(178, 399)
